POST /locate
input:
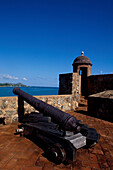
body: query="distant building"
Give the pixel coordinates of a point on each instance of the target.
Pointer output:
(82, 68)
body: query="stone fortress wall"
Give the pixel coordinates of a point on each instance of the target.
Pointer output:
(100, 105)
(99, 83)
(100, 96)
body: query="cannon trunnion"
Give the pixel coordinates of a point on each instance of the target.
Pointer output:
(56, 132)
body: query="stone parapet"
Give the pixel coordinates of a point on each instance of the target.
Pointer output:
(8, 108)
(9, 105)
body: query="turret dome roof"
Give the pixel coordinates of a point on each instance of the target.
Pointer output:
(82, 59)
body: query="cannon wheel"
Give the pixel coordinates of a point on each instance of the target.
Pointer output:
(56, 153)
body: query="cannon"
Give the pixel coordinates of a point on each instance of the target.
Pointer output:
(58, 133)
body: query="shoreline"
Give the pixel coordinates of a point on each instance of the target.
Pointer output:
(31, 86)
(6, 91)
(15, 86)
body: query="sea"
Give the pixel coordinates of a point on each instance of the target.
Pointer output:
(32, 90)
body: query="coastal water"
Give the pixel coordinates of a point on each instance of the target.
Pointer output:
(33, 90)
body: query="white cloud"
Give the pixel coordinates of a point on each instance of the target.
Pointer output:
(40, 77)
(24, 79)
(101, 71)
(7, 76)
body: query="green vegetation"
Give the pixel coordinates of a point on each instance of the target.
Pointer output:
(12, 85)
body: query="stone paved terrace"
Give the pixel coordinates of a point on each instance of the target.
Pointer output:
(18, 153)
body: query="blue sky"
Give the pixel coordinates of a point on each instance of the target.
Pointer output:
(39, 39)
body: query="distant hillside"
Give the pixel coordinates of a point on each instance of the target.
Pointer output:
(12, 85)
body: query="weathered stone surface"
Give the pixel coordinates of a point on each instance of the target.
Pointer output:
(58, 101)
(33, 109)
(50, 101)
(54, 102)
(67, 99)
(27, 109)
(43, 99)
(25, 103)
(61, 107)
(66, 107)
(4, 104)
(12, 104)
(1, 112)
(9, 113)
(8, 120)
(15, 119)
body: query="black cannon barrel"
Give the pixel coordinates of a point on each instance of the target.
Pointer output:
(65, 120)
